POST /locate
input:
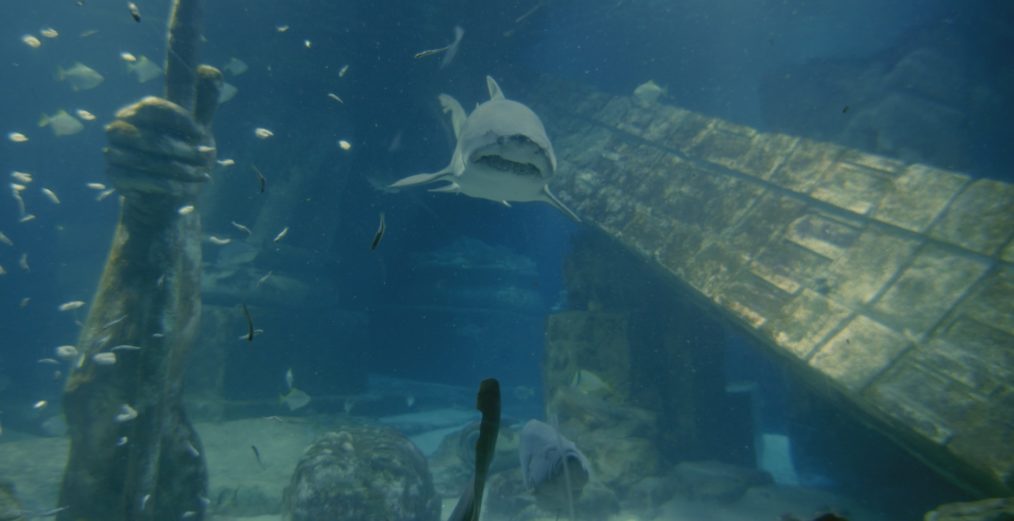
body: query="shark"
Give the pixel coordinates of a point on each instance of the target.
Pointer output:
(502, 154)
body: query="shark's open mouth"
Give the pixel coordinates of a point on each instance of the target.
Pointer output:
(502, 164)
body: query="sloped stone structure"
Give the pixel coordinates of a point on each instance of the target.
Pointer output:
(889, 284)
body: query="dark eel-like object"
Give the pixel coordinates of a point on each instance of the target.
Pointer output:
(488, 403)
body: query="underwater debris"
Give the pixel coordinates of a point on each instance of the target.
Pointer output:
(381, 228)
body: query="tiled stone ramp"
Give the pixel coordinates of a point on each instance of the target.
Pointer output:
(890, 284)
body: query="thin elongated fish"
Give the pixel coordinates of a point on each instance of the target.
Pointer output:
(249, 324)
(380, 233)
(51, 195)
(281, 235)
(263, 181)
(241, 228)
(6, 240)
(488, 403)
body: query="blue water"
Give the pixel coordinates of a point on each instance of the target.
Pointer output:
(742, 60)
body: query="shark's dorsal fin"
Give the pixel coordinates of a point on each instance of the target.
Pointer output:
(458, 115)
(494, 90)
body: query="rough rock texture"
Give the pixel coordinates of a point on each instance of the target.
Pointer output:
(906, 102)
(10, 508)
(361, 474)
(508, 500)
(714, 481)
(889, 284)
(1000, 509)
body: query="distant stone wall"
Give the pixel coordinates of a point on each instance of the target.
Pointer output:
(891, 284)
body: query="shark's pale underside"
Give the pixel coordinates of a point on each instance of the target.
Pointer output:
(503, 153)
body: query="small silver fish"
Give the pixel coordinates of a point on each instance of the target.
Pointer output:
(51, 195)
(70, 306)
(186, 210)
(104, 358)
(281, 235)
(126, 414)
(241, 228)
(96, 186)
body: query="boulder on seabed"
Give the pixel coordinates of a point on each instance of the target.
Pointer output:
(10, 508)
(361, 473)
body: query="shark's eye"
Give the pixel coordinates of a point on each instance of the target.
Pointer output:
(496, 162)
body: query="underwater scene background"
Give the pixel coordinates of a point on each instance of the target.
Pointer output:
(788, 294)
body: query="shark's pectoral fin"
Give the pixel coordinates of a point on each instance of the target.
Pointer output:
(494, 90)
(421, 179)
(551, 199)
(458, 115)
(452, 188)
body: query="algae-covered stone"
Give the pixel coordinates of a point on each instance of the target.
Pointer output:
(10, 508)
(361, 473)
